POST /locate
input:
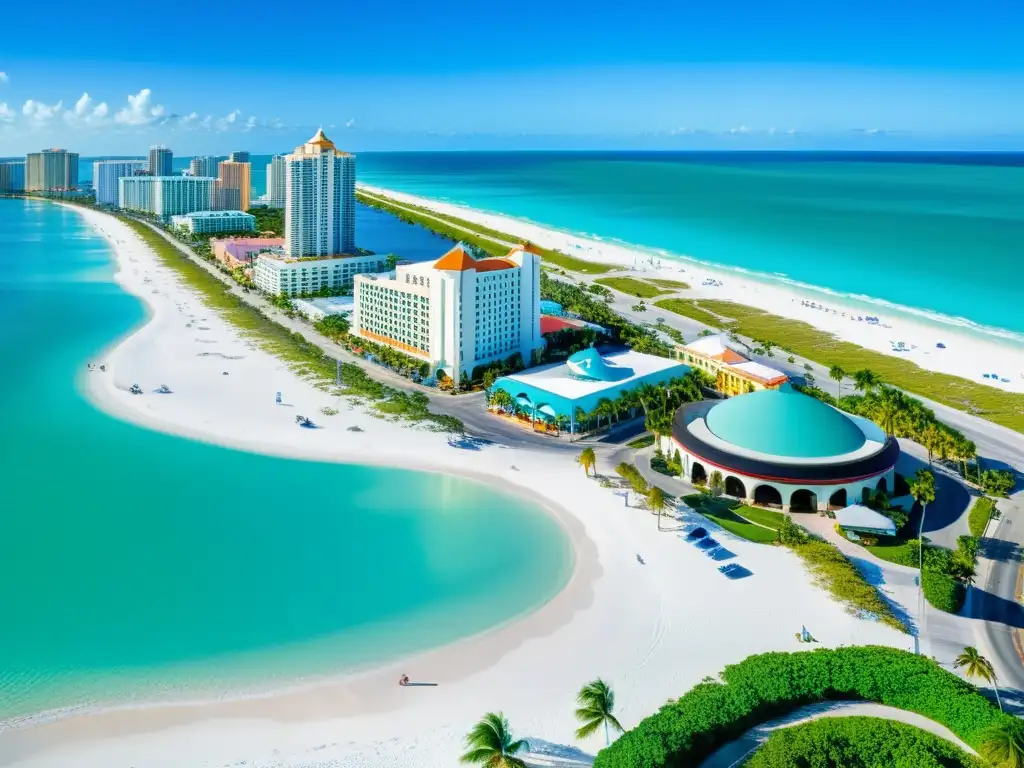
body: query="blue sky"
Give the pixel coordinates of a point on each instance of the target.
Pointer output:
(207, 77)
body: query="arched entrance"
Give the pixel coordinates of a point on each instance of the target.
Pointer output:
(803, 500)
(838, 499)
(698, 476)
(768, 496)
(882, 486)
(734, 487)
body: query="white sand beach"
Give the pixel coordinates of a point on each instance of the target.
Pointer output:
(651, 630)
(967, 353)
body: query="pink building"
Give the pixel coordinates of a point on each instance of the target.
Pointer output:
(240, 251)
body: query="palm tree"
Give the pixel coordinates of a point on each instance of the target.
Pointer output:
(490, 744)
(922, 488)
(562, 422)
(866, 380)
(975, 665)
(1003, 745)
(890, 404)
(587, 459)
(647, 395)
(837, 374)
(656, 501)
(597, 701)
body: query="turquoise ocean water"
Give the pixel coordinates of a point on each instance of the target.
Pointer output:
(136, 566)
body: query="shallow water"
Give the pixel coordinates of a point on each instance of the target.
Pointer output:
(136, 565)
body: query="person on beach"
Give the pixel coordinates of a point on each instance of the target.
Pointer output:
(403, 680)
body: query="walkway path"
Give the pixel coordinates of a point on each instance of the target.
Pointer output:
(734, 753)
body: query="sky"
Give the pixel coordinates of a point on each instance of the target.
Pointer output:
(207, 78)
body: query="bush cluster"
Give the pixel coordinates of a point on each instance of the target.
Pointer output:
(943, 591)
(981, 512)
(769, 685)
(859, 742)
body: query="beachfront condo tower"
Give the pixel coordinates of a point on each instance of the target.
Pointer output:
(239, 157)
(320, 200)
(107, 174)
(204, 165)
(165, 196)
(456, 313)
(12, 177)
(236, 175)
(276, 188)
(160, 161)
(51, 169)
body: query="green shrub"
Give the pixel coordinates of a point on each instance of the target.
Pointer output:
(768, 685)
(859, 742)
(942, 591)
(998, 482)
(981, 512)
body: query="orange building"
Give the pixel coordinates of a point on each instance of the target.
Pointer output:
(238, 176)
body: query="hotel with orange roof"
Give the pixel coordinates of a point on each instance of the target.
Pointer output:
(456, 313)
(734, 374)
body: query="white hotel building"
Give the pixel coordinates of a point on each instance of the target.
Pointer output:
(165, 196)
(278, 274)
(320, 200)
(455, 313)
(107, 175)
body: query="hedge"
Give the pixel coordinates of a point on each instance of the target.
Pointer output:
(859, 742)
(981, 513)
(942, 591)
(766, 686)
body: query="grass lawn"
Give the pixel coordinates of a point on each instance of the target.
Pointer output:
(768, 517)
(632, 286)
(725, 517)
(799, 338)
(895, 551)
(641, 442)
(675, 285)
(490, 240)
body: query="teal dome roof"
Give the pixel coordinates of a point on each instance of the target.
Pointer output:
(784, 422)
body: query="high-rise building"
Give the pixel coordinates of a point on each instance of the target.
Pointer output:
(456, 313)
(239, 157)
(276, 186)
(51, 169)
(160, 161)
(12, 177)
(204, 165)
(320, 201)
(165, 196)
(225, 199)
(238, 176)
(106, 177)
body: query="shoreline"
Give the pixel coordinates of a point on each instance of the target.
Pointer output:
(530, 666)
(970, 347)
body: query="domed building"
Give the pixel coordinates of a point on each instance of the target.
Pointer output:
(784, 448)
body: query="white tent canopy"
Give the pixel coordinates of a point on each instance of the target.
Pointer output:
(861, 518)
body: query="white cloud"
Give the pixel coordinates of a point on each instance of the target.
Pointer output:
(4, 78)
(351, 123)
(140, 110)
(224, 123)
(251, 123)
(40, 114)
(86, 112)
(6, 113)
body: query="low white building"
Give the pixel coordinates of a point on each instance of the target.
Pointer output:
(317, 309)
(456, 313)
(277, 274)
(212, 222)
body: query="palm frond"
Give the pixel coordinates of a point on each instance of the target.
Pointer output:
(588, 728)
(518, 746)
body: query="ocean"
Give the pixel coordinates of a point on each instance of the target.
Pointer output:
(137, 566)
